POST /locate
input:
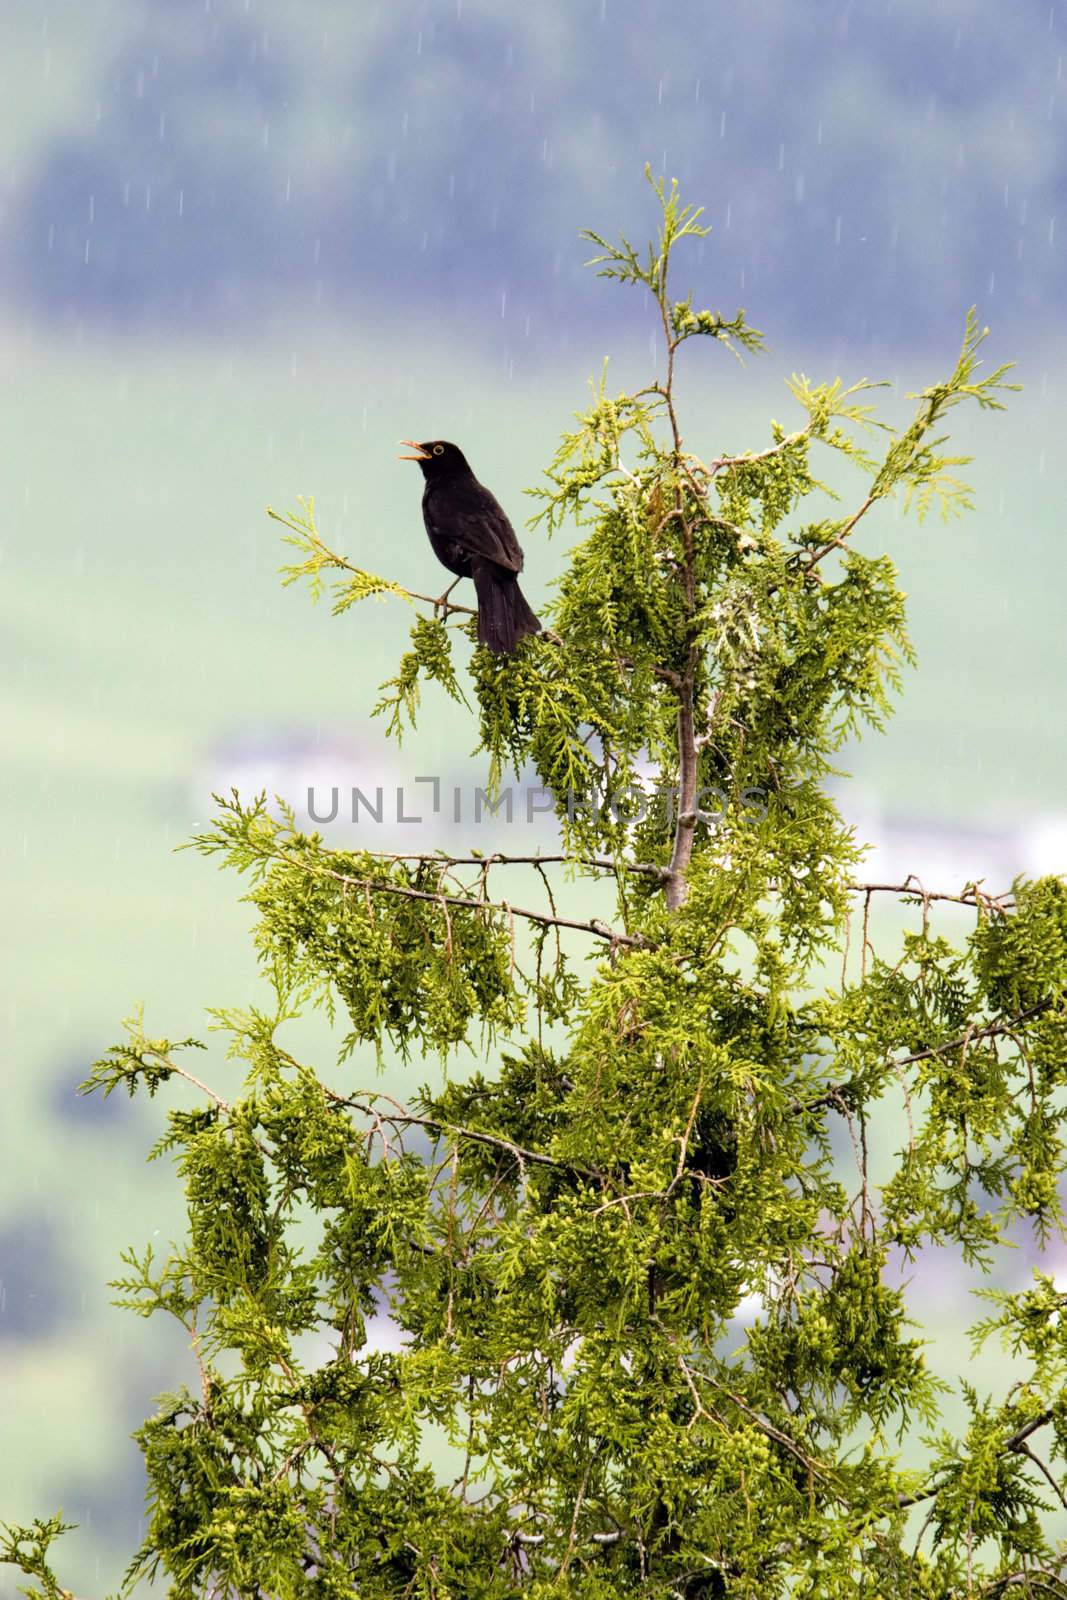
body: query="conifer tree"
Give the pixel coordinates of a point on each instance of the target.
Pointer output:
(566, 1237)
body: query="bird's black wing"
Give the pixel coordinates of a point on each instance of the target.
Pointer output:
(467, 514)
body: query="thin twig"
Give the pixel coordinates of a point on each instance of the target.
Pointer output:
(648, 869)
(521, 1154)
(995, 1030)
(599, 930)
(1012, 1445)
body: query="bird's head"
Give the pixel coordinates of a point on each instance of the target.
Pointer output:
(436, 457)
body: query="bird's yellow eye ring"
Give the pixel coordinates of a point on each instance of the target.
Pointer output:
(438, 449)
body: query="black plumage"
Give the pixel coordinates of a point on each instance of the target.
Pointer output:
(471, 536)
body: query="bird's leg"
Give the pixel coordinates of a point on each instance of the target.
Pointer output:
(443, 601)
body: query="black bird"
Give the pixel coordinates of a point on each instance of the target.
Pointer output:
(473, 538)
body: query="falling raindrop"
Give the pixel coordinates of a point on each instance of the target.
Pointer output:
(722, 126)
(503, 302)
(181, 202)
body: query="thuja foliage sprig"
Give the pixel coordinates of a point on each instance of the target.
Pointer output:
(651, 1315)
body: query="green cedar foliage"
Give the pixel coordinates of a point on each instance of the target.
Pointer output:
(566, 1239)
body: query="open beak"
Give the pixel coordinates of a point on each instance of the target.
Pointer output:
(421, 455)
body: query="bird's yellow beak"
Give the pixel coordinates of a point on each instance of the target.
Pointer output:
(422, 455)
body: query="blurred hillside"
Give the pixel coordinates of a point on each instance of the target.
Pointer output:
(870, 167)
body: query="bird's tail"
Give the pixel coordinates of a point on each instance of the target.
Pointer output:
(504, 615)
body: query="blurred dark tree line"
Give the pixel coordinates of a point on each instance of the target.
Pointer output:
(875, 164)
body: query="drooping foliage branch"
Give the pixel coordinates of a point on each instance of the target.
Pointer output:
(650, 1314)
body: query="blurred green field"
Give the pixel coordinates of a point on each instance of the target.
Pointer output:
(141, 619)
